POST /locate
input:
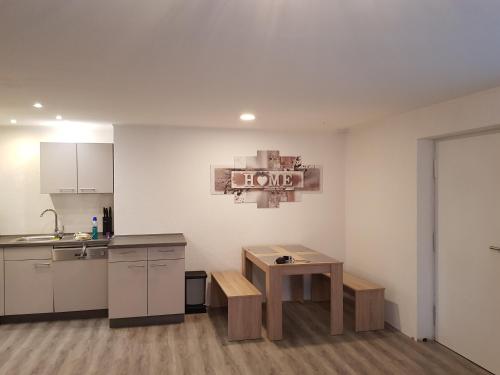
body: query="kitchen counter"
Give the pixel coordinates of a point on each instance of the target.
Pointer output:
(147, 240)
(116, 242)
(67, 240)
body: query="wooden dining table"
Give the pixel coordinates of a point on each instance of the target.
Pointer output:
(306, 262)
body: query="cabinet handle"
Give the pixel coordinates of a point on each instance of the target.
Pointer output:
(88, 189)
(166, 251)
(159, 265)
(66, 190)
(127, 252)
(39, 265)
(136, 266)
(496, 248)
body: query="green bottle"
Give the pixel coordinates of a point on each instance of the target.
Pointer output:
(94, 228)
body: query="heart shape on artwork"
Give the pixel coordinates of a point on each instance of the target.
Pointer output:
(262, 180)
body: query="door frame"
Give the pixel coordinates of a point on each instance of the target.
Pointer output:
(425, 238)
(427, 230)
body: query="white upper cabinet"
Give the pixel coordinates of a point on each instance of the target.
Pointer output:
(76, 168)
(58, 172)
(95, 167)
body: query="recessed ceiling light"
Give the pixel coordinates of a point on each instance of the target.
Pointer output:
(58, 117)
(247, 117)
(38, 105)
(13, 121)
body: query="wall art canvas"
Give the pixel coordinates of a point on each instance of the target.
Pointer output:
(266, 179)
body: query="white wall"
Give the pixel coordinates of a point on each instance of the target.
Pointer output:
(162, 184)
(20, 200)
(382, 231)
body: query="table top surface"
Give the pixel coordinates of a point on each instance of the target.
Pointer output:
(301, 254)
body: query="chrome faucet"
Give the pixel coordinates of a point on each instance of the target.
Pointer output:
(58, 233)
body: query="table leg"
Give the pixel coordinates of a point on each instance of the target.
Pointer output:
(274, 313)
(320, 287)
(336, 299)
(297, 287)
(246, 266)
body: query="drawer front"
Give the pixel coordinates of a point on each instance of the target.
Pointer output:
(28, 253)
(128, 254)
(166, 252)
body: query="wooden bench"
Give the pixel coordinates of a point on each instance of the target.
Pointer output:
(244, 304)
(368, 299)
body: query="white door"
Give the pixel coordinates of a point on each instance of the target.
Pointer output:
(127, 289)
(95, 167)
(58, 168)
(166, 281)
(467, 270)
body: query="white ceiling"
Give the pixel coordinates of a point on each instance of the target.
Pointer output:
(294, 63)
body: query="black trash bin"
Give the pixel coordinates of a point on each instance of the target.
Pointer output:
(195, 292)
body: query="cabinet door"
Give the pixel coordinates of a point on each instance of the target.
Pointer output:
(1, 284)
(80, 285)
(58, 168)
(95, 167)
(127, 289)
(166, 287)
(28, 287)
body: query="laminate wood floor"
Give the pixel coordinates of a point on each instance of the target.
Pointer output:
(199, 346)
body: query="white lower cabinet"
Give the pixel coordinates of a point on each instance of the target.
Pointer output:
(28, 287)
(146, 287)
(166, 287)
(128, 289)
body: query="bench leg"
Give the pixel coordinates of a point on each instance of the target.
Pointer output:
(244, 318)
(369, 310)
(217, 296)
(320, 287)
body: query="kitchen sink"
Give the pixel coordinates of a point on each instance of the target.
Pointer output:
(45, 238)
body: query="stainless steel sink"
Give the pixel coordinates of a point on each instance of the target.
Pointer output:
(44, 238)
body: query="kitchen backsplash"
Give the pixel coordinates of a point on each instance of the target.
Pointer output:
(76, 211)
